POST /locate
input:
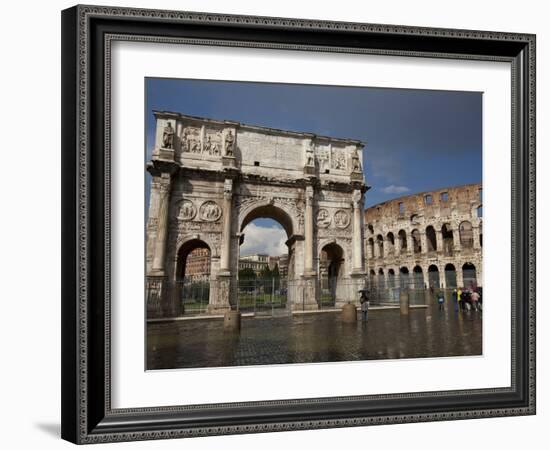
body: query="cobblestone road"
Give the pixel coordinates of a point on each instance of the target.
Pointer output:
(314, 338)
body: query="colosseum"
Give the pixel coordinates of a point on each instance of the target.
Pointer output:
(423, 241)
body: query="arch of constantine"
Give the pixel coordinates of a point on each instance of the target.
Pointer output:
(210, 178)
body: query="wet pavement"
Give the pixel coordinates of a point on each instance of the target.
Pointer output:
(319, 337)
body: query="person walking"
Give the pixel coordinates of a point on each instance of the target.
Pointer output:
(441, 301)
(475, 300)
(459, 298)
(365, 303)
(455, 299)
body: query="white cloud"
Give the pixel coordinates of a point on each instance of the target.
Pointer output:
(268, 240)
(393, 189)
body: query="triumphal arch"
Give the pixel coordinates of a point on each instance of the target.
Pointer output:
(210, 178)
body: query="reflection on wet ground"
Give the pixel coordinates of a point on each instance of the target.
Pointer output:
(314, 338)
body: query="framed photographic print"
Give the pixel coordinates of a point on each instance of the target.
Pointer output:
(282, 224)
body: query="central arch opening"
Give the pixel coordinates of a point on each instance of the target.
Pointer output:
(266, 259)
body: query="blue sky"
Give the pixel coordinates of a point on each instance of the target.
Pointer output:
(416, 140)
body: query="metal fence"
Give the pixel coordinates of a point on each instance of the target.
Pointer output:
(273, 296)
(262, 295)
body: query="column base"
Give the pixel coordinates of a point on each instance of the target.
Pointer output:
(218, 309)
(221, 300)
(306, 300)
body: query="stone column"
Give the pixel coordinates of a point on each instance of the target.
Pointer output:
(221, 286)
(456, 239)
(162, 227)
(397, 249)
(357, 251)
(459, 277)
(423, 242)
(225, 253)
(410, 244)
(308, 223)
(439, 240)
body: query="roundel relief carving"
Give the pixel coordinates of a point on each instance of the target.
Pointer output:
(210, 211)
(341, 218)
(187, 210)
(323, 218)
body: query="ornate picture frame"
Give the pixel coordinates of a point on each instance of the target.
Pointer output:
(87, 35)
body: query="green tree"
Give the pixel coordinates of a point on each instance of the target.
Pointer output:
(265, 273)
(247, 274)
(276, 275)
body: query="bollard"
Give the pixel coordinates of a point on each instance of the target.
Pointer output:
(349, 313)
(232, 320)
(404, 302)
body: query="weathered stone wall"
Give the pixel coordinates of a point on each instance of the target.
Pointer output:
(436, 226)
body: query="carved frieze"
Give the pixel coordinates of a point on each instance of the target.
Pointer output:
(323, 218)
(187, 210)
(213, 143)
(210, 211)
(191, 140)
(341, 219)
(339, 161)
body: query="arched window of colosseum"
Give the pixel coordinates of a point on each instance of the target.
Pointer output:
(428, 199)
(404, 277)
(370, 228)
(418, 278)
(417, 246)
(372, 280)
(390, 242)
(466, 234)
(402, 236)
(480, 211)
(431, 239)
(381, 280)
(433, 277)
(380, 244)
(444, 196)
(447, 235)
(469, 276)
(415, 219)
(450, 276)
(391, 278)
(370, 248)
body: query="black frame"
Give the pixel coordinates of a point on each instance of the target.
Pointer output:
(87, 416)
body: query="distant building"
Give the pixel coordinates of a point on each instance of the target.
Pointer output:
(197, 266)
(283, 266)
(258, 262)
(273, 261)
